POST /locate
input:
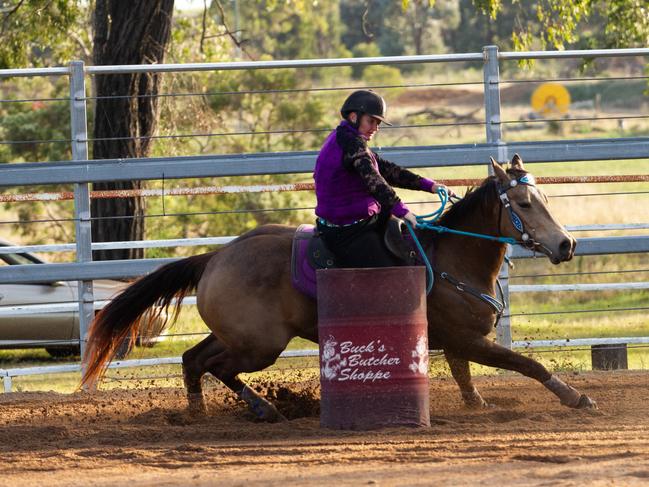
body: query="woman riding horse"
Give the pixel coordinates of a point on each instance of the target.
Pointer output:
(352, 186)
(245, 296)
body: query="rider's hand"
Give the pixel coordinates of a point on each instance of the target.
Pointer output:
(436, 187)
(410, 218)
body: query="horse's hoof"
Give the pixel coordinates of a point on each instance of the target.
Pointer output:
(481, 404)
(475, 401)
(196, 405)
(586, 402)
(197, 409)
(266, 411)
(270, 414)
(278, 418)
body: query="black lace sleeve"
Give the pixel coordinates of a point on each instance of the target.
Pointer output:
(397, 175)
(357, 158)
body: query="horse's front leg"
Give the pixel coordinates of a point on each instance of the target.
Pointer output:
(483, 351)
(462, 375)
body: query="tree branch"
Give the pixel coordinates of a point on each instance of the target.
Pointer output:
(56, 223)
(204, 26)
(10, 12)
(87, 53)
(364, 22)
(231, 33)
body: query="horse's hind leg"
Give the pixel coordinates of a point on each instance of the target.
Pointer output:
(226, 367)
(484, 351)
(210, 355)
(194, 361)
(462, 375)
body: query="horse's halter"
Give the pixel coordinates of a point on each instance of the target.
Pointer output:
(527, 180)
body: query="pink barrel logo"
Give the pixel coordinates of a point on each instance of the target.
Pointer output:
(373, 347)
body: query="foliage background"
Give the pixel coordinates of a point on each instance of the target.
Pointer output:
(236, 104)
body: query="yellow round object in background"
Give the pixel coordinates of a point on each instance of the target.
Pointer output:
(551, 98)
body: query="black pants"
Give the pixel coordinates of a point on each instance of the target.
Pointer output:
(360, 244)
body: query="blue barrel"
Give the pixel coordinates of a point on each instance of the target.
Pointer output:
(373, 336)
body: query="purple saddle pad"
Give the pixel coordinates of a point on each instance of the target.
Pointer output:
(302, 272)
(303, 267)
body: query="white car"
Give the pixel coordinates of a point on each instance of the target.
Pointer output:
(57, 332)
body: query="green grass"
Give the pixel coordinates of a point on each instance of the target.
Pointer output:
(578, 301)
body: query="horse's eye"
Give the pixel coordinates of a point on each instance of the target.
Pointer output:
(525, 205)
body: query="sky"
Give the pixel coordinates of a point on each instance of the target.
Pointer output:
(189, 4)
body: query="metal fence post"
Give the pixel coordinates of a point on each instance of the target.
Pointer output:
(492, 98)
(494, 136)
(6, 381)
(79, 133)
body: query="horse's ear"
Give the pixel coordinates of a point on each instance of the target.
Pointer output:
(499, 171)
(517, 163)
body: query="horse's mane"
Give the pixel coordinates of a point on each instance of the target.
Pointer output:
(478, 198)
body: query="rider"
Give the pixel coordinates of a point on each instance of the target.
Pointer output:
(353, 186)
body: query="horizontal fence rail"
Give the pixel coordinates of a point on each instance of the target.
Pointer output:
(314, 63)
(73, 306)
(8, 374)
(208, 241)
(135, 268)
(183, 167)
(276, 188)
(81, 171)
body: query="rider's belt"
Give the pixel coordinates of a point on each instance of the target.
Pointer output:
(326, 223)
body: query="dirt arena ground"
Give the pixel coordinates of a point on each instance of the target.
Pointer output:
(145, 438)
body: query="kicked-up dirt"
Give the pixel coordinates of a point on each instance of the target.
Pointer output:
(146, 438)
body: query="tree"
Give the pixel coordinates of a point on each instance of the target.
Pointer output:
(34, 32)
(556, 23)
(295, 29)
(47, 32)
(394, 30)
(376, 21)
(126, 33)
(37, 121)
(477, 29)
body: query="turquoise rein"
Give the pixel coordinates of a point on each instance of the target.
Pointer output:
(427, 222)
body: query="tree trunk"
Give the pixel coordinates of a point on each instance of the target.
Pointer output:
(134, 32)
(418, 25)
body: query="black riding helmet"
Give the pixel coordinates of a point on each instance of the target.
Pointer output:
(365, 101)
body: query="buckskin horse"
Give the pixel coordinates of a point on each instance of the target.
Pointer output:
(246, 297)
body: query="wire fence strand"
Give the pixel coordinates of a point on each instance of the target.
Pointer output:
(286, 90)
(567, 312)
(33, 142)
(567, 274)
(32, 100)
(573, 80)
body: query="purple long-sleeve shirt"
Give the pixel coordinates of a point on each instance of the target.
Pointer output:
(352, 182)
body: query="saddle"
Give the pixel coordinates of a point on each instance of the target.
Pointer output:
(310, 253)
(399, 242)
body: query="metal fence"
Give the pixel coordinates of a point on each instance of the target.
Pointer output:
(80, 172)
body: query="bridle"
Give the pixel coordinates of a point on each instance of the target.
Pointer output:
(526, 240)
(427, 222)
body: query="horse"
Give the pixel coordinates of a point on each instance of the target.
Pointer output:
(246, 298)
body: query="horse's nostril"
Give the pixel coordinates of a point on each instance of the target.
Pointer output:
(565, 247)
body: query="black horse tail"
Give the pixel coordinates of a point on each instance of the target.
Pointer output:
(128, 315)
